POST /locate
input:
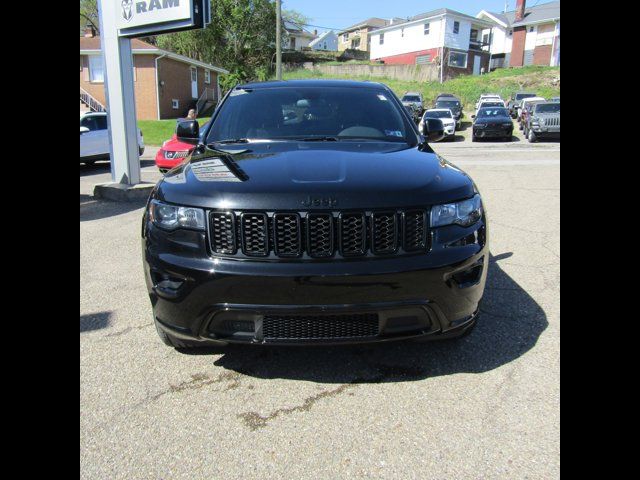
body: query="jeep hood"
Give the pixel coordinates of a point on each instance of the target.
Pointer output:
(292, 175)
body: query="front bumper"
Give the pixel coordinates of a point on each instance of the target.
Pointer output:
(492, 132)
(165, 163)
(543, 131)
(219, 301)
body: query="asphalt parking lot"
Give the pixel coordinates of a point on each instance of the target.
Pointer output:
(484, 407)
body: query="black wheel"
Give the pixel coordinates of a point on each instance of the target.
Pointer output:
(532, 137)
(508, 138)
(473, 138)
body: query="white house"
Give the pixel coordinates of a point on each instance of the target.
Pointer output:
(434, 35)
(524, 36)
(296, 37)
(326, 41)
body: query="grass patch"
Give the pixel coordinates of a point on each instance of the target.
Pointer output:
(157, 131)
(545, 81)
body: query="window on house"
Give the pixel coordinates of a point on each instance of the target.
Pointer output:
(458, 59)
(175, 103)
(382, 39)
(423, 59)
(485, 38)
(402, 32)
(345, 37)
(426, 28)
(207, 76)
(531, 29)
(456, 27)
(96, 69)
(510, 32)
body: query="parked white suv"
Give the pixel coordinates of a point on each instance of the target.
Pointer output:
(443, 114)
(94, 137)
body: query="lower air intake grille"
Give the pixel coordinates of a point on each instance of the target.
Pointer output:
(299, 327)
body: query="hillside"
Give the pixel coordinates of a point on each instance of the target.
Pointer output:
(545, 81)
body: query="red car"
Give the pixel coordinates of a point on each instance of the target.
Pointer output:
(172, 153)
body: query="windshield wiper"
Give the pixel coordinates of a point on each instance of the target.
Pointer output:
(232, 140)
(319, 139)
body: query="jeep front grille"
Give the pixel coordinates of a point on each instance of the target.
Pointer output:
(310, 235)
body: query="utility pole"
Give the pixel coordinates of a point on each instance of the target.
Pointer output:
(278, 40)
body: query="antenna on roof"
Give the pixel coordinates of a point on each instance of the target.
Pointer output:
(506, 6)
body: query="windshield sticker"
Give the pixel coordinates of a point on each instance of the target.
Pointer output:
(393, 133)
(382, 97)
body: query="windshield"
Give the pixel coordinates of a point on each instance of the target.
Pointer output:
(437, 114)
(447, 104)
(520, 96)
(410, 98)
(332, 113)
(491, 104)
(548, 108)
(492, 112)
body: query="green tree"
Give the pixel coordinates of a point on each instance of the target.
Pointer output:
(89, 14)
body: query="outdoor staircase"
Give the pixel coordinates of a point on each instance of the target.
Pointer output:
(206, 102)
(88, 103)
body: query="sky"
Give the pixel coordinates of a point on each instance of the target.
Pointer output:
(337, 14)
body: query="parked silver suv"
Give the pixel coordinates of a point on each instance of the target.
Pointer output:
(543, 121)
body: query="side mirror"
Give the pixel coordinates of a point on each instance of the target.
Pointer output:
(433, 129)
(83, 130)
(188, 132)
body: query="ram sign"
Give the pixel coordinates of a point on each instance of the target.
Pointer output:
(151, 17)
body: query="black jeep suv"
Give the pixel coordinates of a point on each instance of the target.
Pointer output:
(313, 212)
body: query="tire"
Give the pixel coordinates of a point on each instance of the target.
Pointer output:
(508, 139)
(473, 138)
(532, 137)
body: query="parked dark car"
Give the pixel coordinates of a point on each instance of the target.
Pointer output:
(492, 122)
(515, 100)
(543, 121)
(453, 103)
(413, 111)
(414, 100)
(340, 225)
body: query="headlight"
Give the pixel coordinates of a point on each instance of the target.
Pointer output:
(507, 124)
(464, 213)
(169, 154)
(480, 124)
(171, 217)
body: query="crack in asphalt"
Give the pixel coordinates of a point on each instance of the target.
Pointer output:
(255, 421)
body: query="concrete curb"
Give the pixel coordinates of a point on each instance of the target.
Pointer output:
(119, 192)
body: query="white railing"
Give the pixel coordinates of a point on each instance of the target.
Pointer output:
(208, 95)
(93, 104)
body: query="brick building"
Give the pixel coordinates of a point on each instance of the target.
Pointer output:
(525, 36)
(166, 84)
